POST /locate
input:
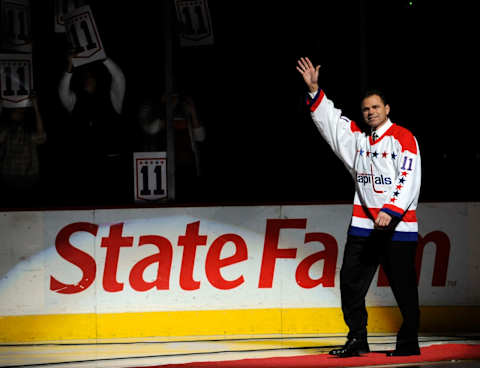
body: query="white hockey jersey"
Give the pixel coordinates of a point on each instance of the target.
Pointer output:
(387, 172)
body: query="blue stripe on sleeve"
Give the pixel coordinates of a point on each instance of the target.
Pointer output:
(311, 101)
(391, 213)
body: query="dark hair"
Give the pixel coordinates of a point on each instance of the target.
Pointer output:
(375, 92)
(95, 70)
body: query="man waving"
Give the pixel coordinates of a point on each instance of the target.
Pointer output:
(385, 167)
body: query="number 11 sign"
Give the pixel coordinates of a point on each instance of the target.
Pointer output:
(150, 169)
(83, 36)
(15, 26)
(16, 79)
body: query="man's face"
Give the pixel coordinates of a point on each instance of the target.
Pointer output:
(374, 111)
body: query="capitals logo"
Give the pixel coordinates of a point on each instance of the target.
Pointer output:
(378, 180)
(364, 178)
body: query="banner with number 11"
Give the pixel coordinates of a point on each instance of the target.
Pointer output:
(150, 175)
(83, 36)
(16, 79)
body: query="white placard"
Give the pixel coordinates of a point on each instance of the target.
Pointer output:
(83, 36)
(16, 79)
(16, 26)
(62, 8)
(150, 175)
(194, 16)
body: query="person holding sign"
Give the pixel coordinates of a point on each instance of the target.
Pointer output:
(93, 95)
(385, 165)
(88, 83)
(190, 136)
(21, 132)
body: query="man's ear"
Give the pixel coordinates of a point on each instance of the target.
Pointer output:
(387, 109)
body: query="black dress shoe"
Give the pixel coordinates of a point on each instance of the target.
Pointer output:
(405, 348)
(353, 347)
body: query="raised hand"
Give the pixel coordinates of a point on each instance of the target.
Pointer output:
(309, 73)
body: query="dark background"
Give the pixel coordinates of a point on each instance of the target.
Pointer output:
(261, 144)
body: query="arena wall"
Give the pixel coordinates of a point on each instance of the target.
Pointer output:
(217, 271)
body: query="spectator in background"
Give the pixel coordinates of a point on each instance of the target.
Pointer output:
(21, 132)
(189, 138)
(94, 100)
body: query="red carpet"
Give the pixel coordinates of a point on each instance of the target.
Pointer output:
(432, 353)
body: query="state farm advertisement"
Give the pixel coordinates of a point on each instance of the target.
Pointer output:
(211, 258)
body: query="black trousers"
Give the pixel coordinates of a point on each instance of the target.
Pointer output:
(361, 259)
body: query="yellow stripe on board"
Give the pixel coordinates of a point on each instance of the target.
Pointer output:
(223, 322)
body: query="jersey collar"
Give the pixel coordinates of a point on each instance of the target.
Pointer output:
(381, 131)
